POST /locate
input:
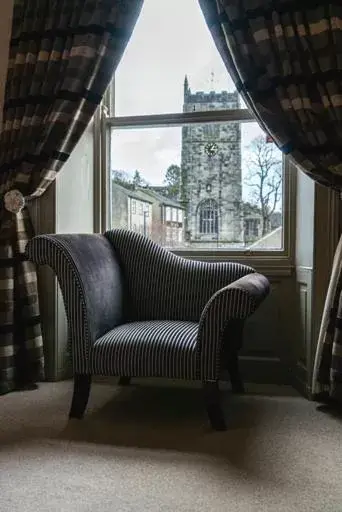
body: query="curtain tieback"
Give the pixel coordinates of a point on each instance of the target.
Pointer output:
(13, 201)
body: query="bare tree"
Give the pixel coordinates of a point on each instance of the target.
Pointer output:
(264, 178)
(122, 178)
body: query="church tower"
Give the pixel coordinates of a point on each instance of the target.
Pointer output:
(211, 173)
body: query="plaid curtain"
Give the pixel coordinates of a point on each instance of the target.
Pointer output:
(62, 56)
(285, 58)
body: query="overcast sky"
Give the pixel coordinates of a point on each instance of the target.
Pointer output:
(170, 40)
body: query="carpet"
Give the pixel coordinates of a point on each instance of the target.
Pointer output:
(148, 448)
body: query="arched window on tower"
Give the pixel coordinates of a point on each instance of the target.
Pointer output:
(208, 217)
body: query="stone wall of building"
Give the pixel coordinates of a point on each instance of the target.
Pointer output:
(131, 210)
(211, 171)
(120, 213)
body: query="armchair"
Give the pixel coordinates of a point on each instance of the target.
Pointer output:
(134, 309)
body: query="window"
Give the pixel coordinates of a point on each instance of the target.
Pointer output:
(252, 227)
(208, 217)
(179, 131)
(134, 206)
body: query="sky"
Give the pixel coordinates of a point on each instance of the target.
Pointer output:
(170, 40)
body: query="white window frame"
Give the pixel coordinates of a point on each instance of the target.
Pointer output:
(282, 261)
(168, 214)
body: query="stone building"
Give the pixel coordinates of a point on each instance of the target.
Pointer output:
(211, 173)
(167, 218)
(131, 209)
(148, 212)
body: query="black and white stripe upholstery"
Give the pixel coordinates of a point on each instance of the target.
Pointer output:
(135, 309)
(236, 301)
(157, 348)
(162, 286)
(90, 281)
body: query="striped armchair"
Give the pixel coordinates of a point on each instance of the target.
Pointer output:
(135, 309)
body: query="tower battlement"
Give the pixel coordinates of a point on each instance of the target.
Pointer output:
(230, 99)
(213, 97)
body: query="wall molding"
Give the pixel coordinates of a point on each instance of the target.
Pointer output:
(312, 284)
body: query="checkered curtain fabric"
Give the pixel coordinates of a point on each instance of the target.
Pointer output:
(285, 58)
(62, 56)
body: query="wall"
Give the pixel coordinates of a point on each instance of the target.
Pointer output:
(266, 353)
(304, 262)
(316, 240)
(66, 207)
(74, 214)
(75, 189)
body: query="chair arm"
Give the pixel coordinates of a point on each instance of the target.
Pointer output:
(90, 281)
(236, 301)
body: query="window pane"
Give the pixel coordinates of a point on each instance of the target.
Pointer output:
(200, 192)
(171, 41)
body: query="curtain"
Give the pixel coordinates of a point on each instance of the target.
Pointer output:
(285, 59)
(62, 56)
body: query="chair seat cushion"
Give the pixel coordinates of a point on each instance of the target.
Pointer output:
(158, 348)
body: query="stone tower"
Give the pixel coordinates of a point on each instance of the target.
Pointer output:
(211, 173)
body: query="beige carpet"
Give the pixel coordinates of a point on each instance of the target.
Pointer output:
(145, 448)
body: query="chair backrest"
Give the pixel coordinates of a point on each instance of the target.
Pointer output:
(160, 285)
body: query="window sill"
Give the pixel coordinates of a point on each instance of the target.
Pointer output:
(271, 265)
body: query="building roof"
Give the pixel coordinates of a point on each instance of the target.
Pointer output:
(134, 194)
(148, 195)
(272, 240)
(162, 199)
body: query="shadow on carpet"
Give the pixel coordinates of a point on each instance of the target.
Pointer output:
(174, 419)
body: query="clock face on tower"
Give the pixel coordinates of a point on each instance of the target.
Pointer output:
(211, 148)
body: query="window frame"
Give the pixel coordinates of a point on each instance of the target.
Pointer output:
(282, 260)
(208, 217)
(168, 213)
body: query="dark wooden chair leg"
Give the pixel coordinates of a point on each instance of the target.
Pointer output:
(81, 395)
(124, 381)
(213, 405)
(234, 373)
